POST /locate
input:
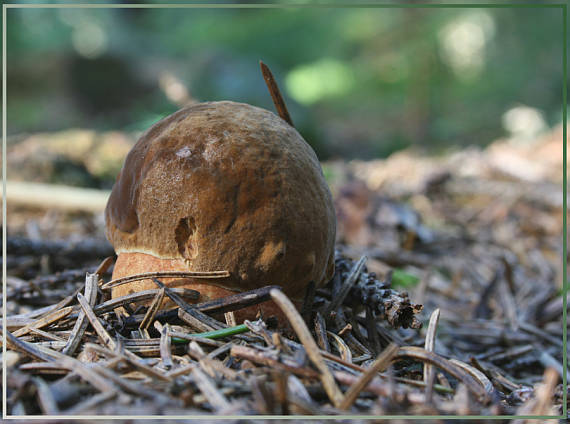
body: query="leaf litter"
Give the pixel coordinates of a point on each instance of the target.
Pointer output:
(447, 299)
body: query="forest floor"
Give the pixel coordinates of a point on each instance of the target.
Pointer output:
(447, 300)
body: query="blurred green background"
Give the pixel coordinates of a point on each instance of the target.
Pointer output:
(359, 82)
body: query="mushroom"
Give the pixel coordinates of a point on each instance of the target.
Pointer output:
(223, 186)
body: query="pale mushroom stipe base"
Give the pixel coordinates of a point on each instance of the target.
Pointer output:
(223, 186)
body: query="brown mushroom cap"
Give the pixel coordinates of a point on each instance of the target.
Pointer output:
(226, 186)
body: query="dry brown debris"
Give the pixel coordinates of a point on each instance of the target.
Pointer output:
(485, 246)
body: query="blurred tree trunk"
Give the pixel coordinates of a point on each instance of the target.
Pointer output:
(418, 104)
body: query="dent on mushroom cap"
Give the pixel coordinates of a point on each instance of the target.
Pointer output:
(230, 186)
(185, 238)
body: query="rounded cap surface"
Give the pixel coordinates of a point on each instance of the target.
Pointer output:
(227, 186)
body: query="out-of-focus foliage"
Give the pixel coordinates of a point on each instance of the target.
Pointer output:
(359, 82)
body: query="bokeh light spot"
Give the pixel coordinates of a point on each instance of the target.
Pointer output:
(89, 40)
(523, 123)
(463, 43)
(312, 82)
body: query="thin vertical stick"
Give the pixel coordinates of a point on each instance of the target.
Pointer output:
(152, 310)
(346, 285)
(430, 344)
(230, 318)
(82, 322)
(313, 352)
(275, 94)
(165, 342)
(105, 338)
